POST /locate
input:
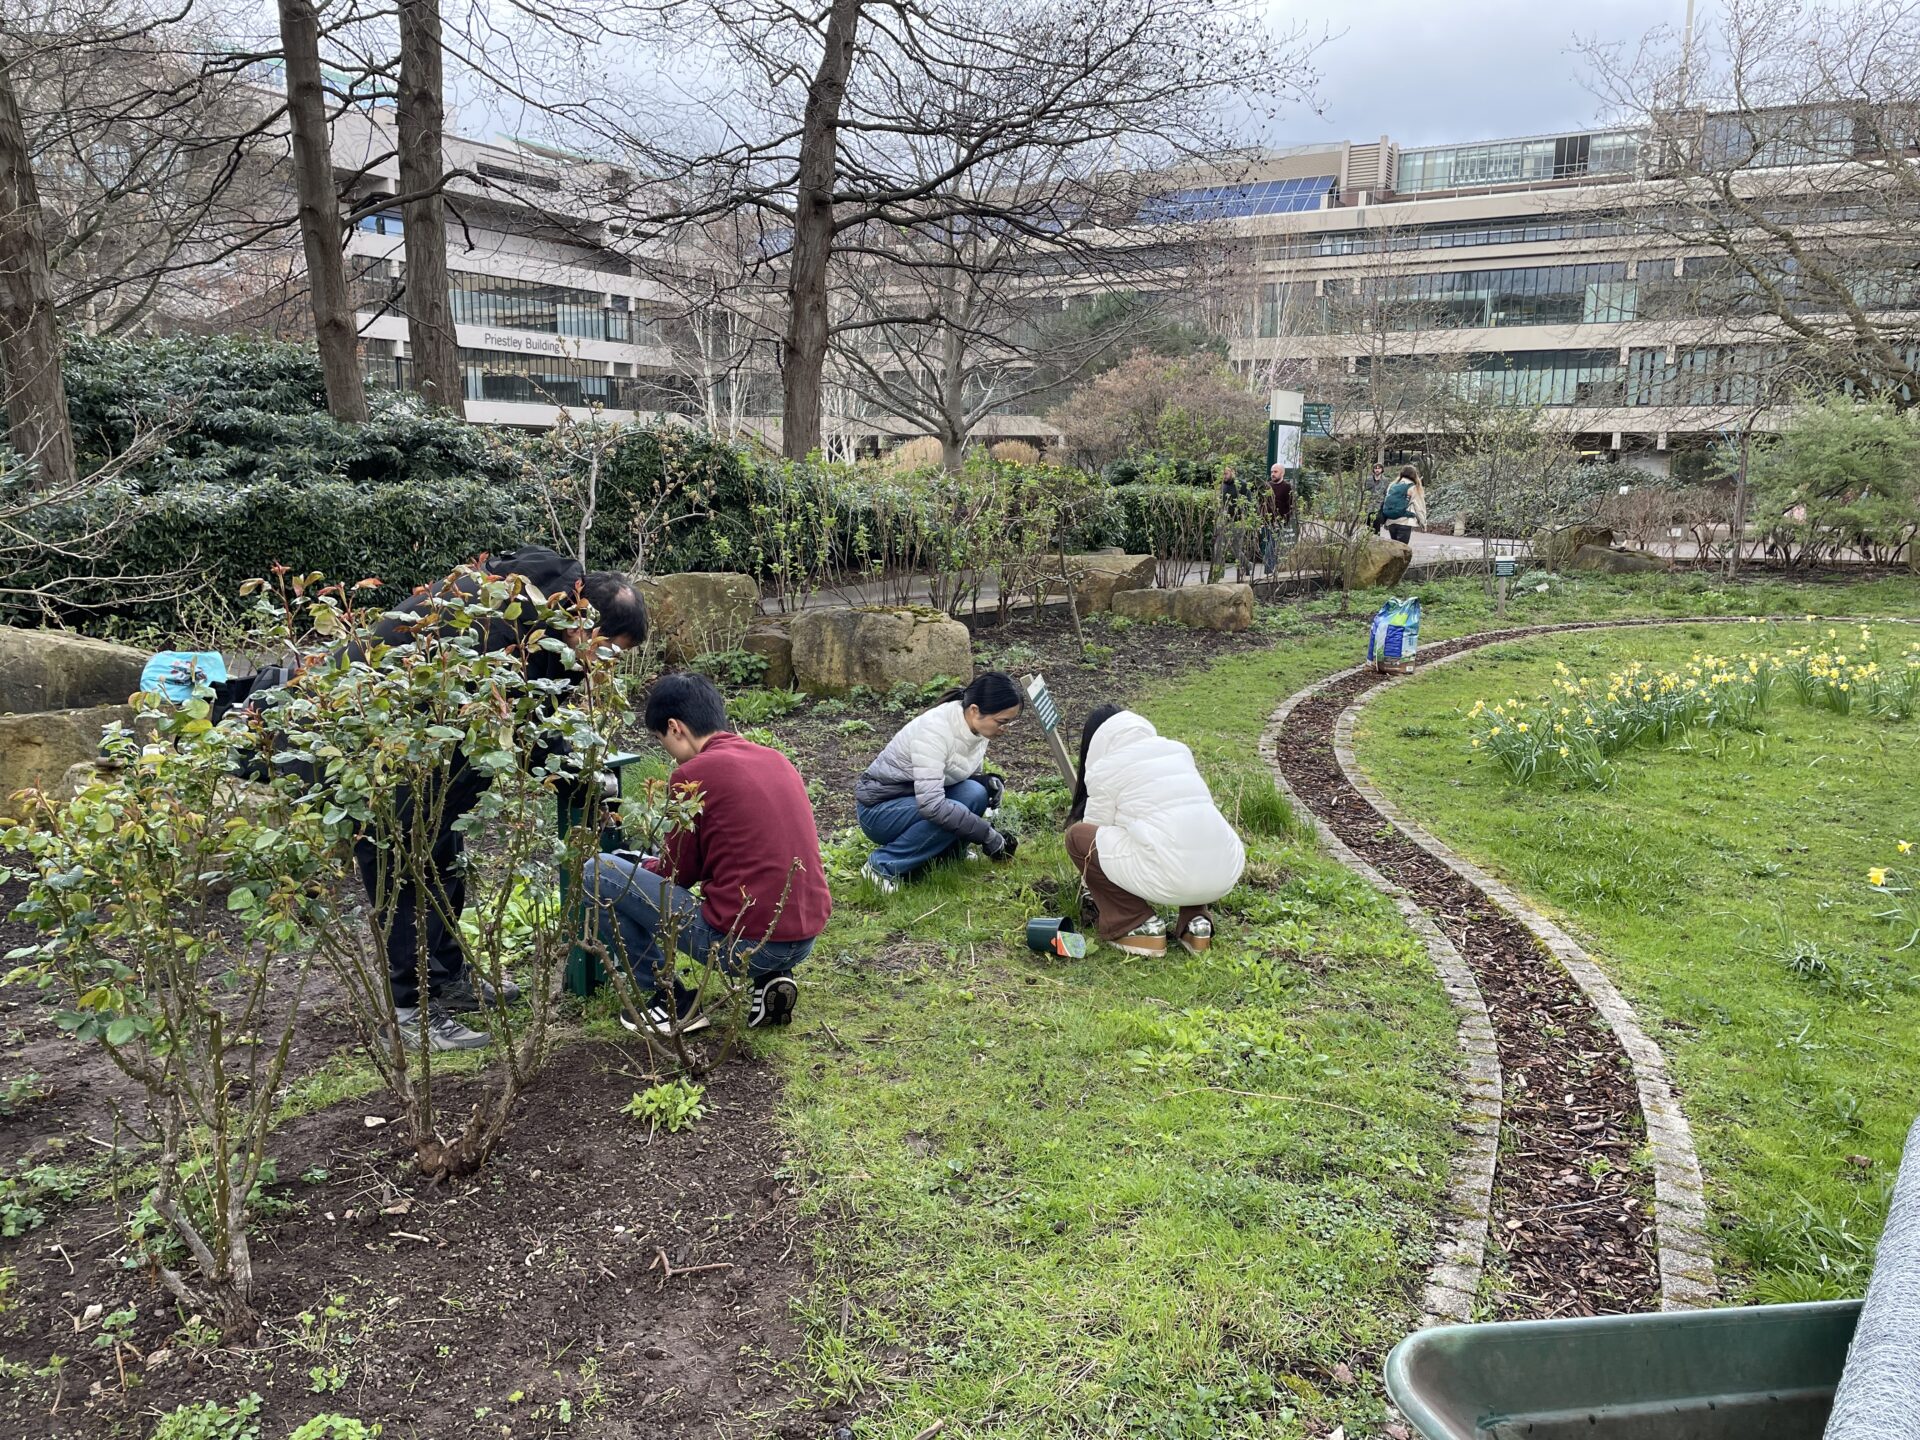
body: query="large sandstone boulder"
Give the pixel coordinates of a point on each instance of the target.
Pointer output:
(1375, 562)
(53, 670)
(37, 750)
(1615, 562)
(698, 611)
(877, 646)
(1556, 549)
(773, 641)
(1098, 576)
(1203, 607)
(1363, 561)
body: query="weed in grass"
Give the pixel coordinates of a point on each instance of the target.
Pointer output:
(735, 669)
(337, 1427)
(29, 1197)
(1812, 1252)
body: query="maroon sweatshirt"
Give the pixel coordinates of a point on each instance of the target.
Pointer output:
(754, 831)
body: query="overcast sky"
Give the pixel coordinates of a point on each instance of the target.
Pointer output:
(1427, 72)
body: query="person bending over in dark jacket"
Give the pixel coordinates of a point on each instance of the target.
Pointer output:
(754, 851)
(451, 991)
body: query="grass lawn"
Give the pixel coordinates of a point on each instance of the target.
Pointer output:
(1120, 1197)
(1045, 1212)
(1722, 883)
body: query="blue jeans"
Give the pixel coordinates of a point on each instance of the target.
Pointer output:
(631, 901)
(907, 840)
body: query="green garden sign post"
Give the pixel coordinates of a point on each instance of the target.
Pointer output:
(1285, 422)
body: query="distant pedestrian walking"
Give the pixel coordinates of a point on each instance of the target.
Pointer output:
(1405, 507)
(1277, 511)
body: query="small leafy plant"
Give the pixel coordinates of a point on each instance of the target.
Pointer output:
(672, 1106)
(756, 707)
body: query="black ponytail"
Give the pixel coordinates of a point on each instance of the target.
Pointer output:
(1078, 811)
(990, 690)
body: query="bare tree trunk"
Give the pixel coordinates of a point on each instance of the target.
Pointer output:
(319, 213)
(807, 318)
(30, 380)
(430, 335)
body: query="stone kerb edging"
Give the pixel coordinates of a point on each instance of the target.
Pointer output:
(1687, 1278)
(1455, 1276)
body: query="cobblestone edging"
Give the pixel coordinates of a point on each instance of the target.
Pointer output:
(1455, 1277)
(1684, 1253)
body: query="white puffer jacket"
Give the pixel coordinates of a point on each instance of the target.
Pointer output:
(1160, 835)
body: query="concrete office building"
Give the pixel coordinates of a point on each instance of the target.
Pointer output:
(550, 316)
(1523, 260)
(1526, 261)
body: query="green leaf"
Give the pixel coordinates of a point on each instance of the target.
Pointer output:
(120, 1031)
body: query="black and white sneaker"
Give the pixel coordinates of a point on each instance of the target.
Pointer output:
(659, 1019)
(772, 1001)
(444, 1032)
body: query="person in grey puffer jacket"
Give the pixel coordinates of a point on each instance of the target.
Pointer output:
(926, 796)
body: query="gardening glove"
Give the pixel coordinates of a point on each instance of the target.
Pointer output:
(1002, 846)
(996, 787)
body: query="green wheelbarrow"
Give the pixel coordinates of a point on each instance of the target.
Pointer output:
(1839, 1369)
(1765, 1372)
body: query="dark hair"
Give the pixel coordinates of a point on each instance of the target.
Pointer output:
(1407, 472)
(693, 700)
(990, 690)
(1078, 810)
(623, 614)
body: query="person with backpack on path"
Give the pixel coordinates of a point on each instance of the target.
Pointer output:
(925, 797)
(1145, 834)
(1404, 509)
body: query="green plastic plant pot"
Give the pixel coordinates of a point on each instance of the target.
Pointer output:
(1764, 1372)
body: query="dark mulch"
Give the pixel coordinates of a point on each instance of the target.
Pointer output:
(1572, 1217)
(531, 1293)
(830, 750)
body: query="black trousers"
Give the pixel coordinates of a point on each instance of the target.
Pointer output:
(1402, 533)
(412, 911)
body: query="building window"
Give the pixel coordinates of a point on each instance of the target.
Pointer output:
(1546, 377)
(507, 378)
(1490, 299)
(1517, 162)
(1515, 231)
(383, 222)
(515, 304)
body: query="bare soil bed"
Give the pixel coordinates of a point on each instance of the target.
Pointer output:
(501, 1306)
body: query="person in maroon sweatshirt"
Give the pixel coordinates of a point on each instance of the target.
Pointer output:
(753, 850)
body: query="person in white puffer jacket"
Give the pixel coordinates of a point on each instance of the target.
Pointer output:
(1144, 833)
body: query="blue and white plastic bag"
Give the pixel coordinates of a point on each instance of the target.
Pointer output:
(1396, 632)
(176, 674)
